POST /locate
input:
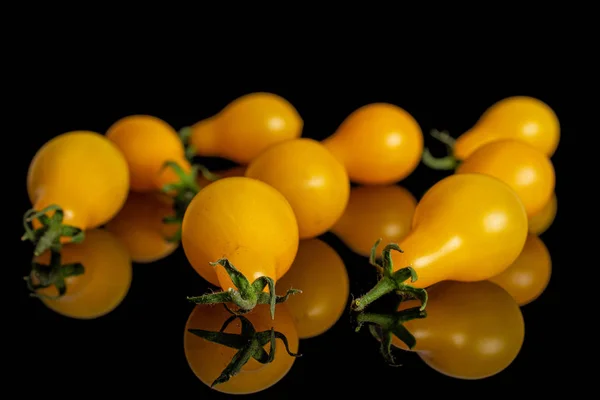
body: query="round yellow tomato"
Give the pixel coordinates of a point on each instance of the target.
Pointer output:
(311, 179)
(139, 225)
(527, 278)
(526, 170)
(375, 212)
(207, 360)
(472, 330)
(542, 220)
(521, 118)
(148, 143)
(246, 127)
(321, 274)
(378, 144)
(244, 220)
(102, 286)
(83, 173)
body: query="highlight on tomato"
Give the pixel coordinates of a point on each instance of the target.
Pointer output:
(527, 278)
(521, 118)
(320, 271)
(85, 280)
(248, 231)
(467, 227)
(76, 181)
(378, 144)
(141, 228)
(527, 171)
(236, 354)
(313, 181)
(372, 212)
(473, 330)
(244, 128)
(542, 220)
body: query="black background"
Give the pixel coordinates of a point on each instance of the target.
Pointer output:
(138, 347)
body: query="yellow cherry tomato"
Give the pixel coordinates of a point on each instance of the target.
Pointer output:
(379, 144)
(472, 330)
(375, 212)
(527, 278)
(246, 127)
(321, 274)
(313, 181)
(83, 173)
(207, 360)
(147, 143)
(542, 220)
(239, 170)
(526, 170)
(244, 220)
(104, 283)
(522, 118)
(139, 225)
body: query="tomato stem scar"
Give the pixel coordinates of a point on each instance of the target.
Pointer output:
(48, 236)
(448, 162)
(390, 281)
(54, 273)
(249, 343)
(247, 295)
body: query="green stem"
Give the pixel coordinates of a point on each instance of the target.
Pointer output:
(247, 295)
(448, 162)
(48, 236)
(184, 135)
(53, 274)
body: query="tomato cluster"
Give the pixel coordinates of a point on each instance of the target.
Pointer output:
(459, 261)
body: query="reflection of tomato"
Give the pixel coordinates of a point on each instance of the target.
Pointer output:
(147, 143)
(542, 220)
(310, 178)
(375, 212)
(139, 225)
(528, 276)
(83, 173)
(207, 359)
(522, 118)
(235, 171)
(246, 127)
(244, 220)
(104, 283)
(378, 143)
(320, 272)
(526, 170)
(472, 330)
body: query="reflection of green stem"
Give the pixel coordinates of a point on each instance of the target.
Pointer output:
(448, 162)
(249, 343)
(53, 274)
(247, 295)
(49, 235)
(390, 281)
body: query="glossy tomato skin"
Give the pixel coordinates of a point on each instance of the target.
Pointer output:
(527, 278)
(104, 283)
(140, 227)
(541, 221)
(467, 227)
(522, 167)
(521, 118)
(207, 360)
(147, 143)
(247, 126)
(374, 212)
(321, 274)
(473, 330)
(313, 181)
(378, 143)
(244, 220)
(83, 173)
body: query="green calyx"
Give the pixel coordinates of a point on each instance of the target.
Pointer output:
(248, 295)
(48, 236)
(249, 343)
(53, 274)
(390, 281)
(184, 135)
(449, 162)
(383, 326)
